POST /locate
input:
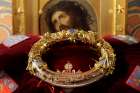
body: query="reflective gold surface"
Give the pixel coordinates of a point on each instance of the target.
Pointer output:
(18, 17)
(104, 65)
(111, 15)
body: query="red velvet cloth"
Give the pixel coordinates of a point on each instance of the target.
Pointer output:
(10, 55)
(14, 61)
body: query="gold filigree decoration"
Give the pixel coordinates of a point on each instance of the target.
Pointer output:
(103, 66)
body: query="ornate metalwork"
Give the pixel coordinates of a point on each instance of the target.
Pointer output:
(68, 77)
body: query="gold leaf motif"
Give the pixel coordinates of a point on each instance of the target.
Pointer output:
(69, 77)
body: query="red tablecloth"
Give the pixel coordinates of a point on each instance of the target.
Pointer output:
(14, 61)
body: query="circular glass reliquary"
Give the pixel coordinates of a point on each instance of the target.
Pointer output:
(71, 59)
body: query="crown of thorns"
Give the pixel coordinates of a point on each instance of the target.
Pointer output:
(103, 66)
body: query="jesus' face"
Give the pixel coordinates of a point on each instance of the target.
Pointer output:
(61, 20)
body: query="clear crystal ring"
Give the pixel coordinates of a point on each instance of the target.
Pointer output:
(69, 78)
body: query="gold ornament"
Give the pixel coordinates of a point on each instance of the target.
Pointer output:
(69, 78)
